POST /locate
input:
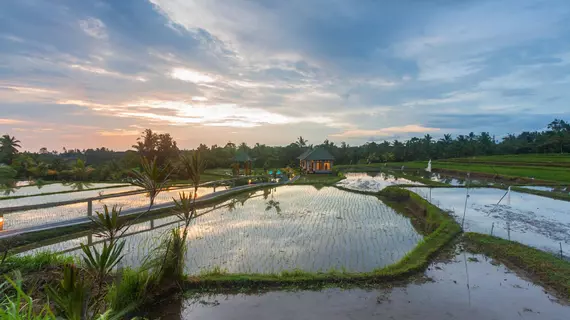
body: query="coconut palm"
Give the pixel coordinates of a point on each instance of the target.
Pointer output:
(9, 148)
(80, 170)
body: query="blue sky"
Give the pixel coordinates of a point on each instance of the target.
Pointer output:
(95, 73)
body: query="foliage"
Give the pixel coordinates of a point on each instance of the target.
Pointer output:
(70, 297)
(152, 178)
(130, 290)
(101, 263)
(80, 170)
(395, 194)
(194, 165)
(8, 148)
(160, 147)
(22, 305)
(33, 262)
(107, 224)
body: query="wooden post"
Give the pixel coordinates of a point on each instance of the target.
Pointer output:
(90, 208)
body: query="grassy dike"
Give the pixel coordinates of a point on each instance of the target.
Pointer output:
(542, 267)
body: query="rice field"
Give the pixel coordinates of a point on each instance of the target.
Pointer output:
(60, 197)
(287, 228)
(372, 181)
(533, 220)
(38, 217)
(31, 190)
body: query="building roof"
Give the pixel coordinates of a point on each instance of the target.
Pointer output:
(241, 156)
(316, 154)
(304, 154)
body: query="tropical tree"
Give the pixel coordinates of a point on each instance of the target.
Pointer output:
(80, 170)
(8, 148)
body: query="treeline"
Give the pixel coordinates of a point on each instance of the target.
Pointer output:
(103, 164)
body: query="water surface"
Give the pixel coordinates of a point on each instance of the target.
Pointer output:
(469, 287)
(290, 227)
(533, 220)
(372, 181)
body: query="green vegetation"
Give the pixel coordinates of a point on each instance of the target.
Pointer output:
(102, 164)
(319, 179)
(543, 267)
(489, 170)
(35, 262)
(548, 194)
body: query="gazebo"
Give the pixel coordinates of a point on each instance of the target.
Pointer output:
(317, 160)
(243, 160)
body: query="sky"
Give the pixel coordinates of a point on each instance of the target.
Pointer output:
(85, 74)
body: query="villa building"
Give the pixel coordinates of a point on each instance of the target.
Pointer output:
(317, 160)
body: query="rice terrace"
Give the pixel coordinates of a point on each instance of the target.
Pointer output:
(263, 159)
(181, 231)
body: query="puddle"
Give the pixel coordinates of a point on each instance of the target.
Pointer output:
(38, 217)
(533, 220)
(467, 288)
(29, 190)
(372, 181)
(290, 227)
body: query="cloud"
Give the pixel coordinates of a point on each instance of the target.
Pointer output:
(206, 69)
(191, 76)
(385, 132)
(94, 28)
(11, 121)
(120, 133)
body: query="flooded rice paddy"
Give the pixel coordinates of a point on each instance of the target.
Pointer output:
(372, 181)
(533, 220)
(468, 287)
(53, 198)
(38, 217)
(51, 188)
(557, 189)
(287, 228)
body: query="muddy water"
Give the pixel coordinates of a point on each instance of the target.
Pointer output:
(533, 220)
(469, 287)
(372, 181)
(291, 227)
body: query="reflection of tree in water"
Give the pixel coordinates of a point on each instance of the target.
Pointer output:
(8, 188)
(78, 185)
(273, 204)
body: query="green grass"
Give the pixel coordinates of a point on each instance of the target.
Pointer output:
(548, 194)
(543, 267)
(319, 179)
(130, 290)
(536, 159)
(554, 175)
(35, 262)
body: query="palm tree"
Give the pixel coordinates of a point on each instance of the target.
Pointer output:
(301, 142)
(9, 148)
(80, 170)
